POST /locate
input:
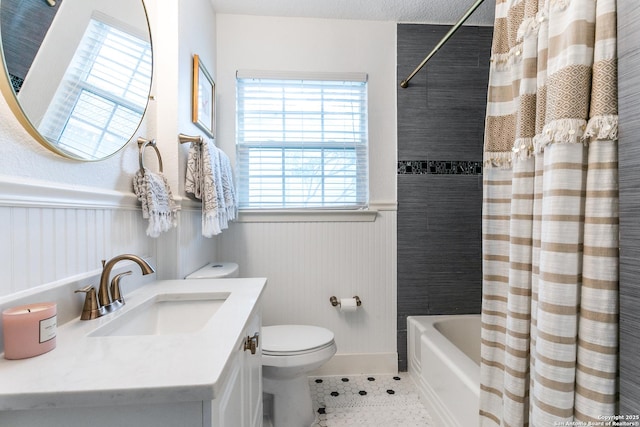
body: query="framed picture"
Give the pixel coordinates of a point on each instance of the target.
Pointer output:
(203, 99)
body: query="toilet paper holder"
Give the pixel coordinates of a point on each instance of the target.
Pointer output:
(336, 302)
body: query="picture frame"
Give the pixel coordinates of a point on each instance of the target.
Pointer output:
(203, 98)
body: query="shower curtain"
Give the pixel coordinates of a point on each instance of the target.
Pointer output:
(550, 219)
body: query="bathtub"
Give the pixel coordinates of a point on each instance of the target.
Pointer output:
(444, 361)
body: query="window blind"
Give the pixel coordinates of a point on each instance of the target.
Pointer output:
(102, 97)
(302, 142)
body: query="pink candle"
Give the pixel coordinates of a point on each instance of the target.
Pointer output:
(29, 330)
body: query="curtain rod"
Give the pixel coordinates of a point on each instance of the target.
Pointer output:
(405, 83)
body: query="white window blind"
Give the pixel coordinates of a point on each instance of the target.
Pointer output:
(302, 141)
(102, 97)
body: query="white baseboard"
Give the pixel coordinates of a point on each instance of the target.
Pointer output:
(360, 364)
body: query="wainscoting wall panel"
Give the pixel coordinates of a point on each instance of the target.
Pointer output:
(308, 262)
(192, 249)
(52, 234)
(51, 244)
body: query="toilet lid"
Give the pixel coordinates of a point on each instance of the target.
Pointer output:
(294, 338)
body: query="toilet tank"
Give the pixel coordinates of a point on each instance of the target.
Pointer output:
(215, 270)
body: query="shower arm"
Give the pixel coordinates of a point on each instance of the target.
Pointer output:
(405, 83)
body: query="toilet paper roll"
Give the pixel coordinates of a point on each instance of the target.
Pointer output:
(348, 304)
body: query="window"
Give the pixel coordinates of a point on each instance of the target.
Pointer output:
(106, 105)
(302, 141)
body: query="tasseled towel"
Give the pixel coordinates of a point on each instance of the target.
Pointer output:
(209, 178)
(157, 201)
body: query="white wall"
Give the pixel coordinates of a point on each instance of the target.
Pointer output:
(60, 218)
(307, 262)
(183, 28)
(297, 44)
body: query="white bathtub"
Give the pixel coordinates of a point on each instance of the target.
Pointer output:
(444, 361)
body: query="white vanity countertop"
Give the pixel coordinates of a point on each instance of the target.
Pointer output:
(99, 371)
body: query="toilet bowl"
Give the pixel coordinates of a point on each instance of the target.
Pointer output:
(289, 354)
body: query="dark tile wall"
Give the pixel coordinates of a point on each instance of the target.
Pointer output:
(440, 135)
(629, 158)
(24, 23)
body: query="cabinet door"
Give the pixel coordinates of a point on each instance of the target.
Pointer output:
(240, 403)
(252, 377)
(227, 410)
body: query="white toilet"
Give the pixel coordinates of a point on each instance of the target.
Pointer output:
(289, 354)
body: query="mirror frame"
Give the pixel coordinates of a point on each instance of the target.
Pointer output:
(6, 88)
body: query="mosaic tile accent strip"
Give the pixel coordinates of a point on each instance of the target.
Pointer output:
(368, 400)
(16, 82)
(439, 167)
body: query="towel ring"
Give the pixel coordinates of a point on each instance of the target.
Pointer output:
(142, 144)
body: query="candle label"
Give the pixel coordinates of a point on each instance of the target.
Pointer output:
(48, 329)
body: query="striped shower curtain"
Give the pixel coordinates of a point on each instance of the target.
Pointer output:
(550, 215)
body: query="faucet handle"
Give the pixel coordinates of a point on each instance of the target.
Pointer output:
(90, 310)
(116, 294)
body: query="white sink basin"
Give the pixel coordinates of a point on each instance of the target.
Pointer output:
(165, 314)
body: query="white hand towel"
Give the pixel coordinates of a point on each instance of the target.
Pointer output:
(209, 178)
(228, 188)
(157, 201)
(212, 187)
(194, 179)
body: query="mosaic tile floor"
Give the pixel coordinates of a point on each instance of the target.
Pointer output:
(373, 401)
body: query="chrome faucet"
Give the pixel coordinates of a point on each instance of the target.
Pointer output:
(109, 297)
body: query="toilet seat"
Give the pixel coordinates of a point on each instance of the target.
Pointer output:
(293, 340)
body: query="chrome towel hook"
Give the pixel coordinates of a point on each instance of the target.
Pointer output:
(142, 144)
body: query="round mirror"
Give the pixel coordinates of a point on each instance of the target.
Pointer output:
(77, 73)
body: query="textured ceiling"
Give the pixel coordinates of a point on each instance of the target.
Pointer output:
(407, 11)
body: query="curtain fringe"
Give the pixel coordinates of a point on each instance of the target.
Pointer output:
(498, 159)
(602, 128)
(558, 5)
(523, 148)
(531, 26)
(565, 131)
(503, 61)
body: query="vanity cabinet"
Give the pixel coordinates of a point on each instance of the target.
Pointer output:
(142, 400)
(238, 405)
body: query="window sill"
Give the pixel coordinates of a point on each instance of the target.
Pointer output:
(306, 215)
